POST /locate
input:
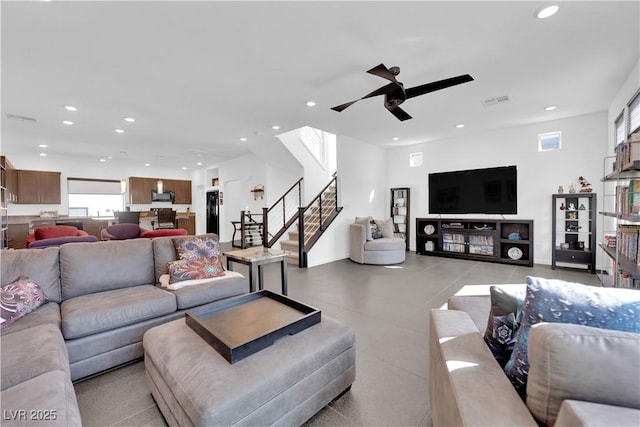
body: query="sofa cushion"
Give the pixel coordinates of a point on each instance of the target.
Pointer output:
(586, 414)
(385, 244)
(503, 323)
(385, 227)
(53, 231)
(32, 352)
(366, 222)
(42, 266)
(556, 301)
(48, 314)
(50, 395)
(103, 311)
(59, 241)
(582, 363)
(124, 231)
(87, 268)
(204, 293)
(18, 299)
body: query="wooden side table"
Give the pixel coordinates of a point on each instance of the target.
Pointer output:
(255, 258)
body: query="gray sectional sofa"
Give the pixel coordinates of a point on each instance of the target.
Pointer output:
(467, 386)
(103, 297)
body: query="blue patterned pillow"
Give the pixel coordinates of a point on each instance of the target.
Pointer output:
(504, 321)
(556, 301)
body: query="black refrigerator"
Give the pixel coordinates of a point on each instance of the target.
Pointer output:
(213, 212)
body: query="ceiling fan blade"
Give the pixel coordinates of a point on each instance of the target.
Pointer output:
(384, 90)
(341, 107)
(382, 71)
(399, 113)
(440, 84)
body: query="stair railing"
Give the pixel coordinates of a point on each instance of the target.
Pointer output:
(325, 205)
(282, 214)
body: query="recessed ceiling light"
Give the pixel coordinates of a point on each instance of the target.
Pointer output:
(70, 108)
(550, 108)
(118, 131)
(311, 103)
(460, 125)
(147, 164)
(102, 159)
(395, 138)
(67, 122)
(275, 127)
(129, 119)
(547, 12)
(199, 163)
(43, 145)
(184, 168)
(43, 154)
(243, 139)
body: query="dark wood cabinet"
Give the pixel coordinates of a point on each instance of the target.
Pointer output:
(38, 187)
(10, 180)
(140, 190)
(503, 241)
(182, 191)
(188, 223)
(574, 230)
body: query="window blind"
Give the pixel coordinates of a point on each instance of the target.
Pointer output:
(93, 186)
(620, 131)
(634, 114)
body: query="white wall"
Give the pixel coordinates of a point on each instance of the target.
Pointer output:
(628, 89)
(316, 176)
(237, 177)
(82, 168)
(362, 189)
(539, 173)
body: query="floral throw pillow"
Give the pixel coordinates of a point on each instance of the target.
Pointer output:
(193, 269)
(19, 299)
(556, 301)
(197, 247)
(504, 321)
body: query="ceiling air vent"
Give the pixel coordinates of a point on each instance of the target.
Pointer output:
(19, 117)
(495, 101)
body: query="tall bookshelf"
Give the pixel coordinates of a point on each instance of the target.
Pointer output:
(573, 239)
(400, 212)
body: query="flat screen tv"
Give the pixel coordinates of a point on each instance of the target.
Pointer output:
(165, 196)
(487, 191)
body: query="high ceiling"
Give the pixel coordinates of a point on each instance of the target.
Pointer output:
(198, 76)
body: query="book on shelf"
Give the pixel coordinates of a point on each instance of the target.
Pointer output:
(610, 240)
(634, 197)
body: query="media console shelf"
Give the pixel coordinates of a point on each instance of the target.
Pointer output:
(503, 241)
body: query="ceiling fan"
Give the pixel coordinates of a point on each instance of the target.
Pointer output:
(395, 93)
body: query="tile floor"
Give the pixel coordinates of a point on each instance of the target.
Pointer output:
(386, 306)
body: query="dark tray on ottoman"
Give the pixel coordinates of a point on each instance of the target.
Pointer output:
(240, 326)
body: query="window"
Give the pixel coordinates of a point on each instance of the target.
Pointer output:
(619, 129)
(549, 141)
(634, 114)
(94, 197)
(415, 160)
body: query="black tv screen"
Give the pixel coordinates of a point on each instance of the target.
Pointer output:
(488, 191)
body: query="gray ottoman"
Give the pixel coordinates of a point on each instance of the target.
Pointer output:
(284, 384)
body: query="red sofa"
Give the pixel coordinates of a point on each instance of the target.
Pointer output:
(56, 235)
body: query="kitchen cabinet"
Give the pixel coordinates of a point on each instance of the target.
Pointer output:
(38, 187)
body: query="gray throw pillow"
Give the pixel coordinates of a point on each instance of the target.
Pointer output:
(385, 227)
(367, 226)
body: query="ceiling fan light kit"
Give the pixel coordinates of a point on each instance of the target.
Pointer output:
(395, 93)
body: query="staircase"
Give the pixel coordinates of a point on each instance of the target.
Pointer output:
(316, 217)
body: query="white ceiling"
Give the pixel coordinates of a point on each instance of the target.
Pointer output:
(199, 75)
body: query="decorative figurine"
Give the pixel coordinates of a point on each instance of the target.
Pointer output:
(560, 189)
(562, 207)
(582, 207)
(572, 207)
(584, 184)
(572, 189)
